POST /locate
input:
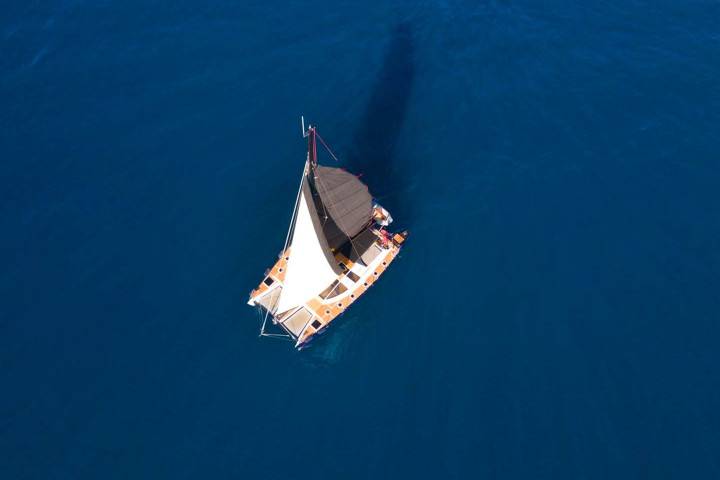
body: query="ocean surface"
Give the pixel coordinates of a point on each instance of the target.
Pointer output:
(555, 313)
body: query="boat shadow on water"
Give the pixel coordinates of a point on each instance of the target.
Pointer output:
(373, 153)
(331, 346)
(373, 150)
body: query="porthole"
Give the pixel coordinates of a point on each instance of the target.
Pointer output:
(365, 284)
(327, 312)
(352, 295)
(280, 270)
(376, 273)
(340, 305)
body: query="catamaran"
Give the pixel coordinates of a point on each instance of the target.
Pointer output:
(336, 248)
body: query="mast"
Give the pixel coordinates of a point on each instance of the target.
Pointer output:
(312, 146)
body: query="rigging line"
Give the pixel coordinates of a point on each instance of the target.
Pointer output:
(280, 336)
(264, 321)
(326, 147)
(267, 313)
(295, 209)
(273, 335)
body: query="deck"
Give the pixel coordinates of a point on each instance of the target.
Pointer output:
(317, 313)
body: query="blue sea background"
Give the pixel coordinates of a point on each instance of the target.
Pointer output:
(554, 314)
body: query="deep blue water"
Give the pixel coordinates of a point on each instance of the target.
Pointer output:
(553, 316)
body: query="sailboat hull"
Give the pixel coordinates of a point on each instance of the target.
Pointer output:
(361, 269)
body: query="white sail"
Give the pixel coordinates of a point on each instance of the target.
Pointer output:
(308, 271)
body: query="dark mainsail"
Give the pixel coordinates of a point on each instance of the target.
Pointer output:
(343, 202)
(345, 199)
